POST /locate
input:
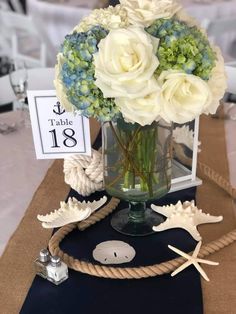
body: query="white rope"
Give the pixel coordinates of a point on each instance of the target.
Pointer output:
(84, 173)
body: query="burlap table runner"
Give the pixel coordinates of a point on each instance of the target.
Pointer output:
(219, 295)
(16, 264)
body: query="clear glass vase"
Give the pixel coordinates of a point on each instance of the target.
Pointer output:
(137, 168)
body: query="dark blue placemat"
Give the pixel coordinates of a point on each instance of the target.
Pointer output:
(86, 294)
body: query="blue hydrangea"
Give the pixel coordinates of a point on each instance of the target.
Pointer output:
(77, 75)
(182, 48)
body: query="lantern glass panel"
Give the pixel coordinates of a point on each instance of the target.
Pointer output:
(185, 149)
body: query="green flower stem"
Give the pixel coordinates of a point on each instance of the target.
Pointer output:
(139, 152)
(152, 178)
(125, 152)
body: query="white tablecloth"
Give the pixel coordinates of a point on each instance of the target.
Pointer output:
(20, 171)
(21, 174)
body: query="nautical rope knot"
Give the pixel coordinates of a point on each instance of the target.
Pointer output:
(84, 173)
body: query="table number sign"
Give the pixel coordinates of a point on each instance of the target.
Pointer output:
(56, 133)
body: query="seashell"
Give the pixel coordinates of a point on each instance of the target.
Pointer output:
(113, 252)
(192, 260)
(184, 215)
(72, 211)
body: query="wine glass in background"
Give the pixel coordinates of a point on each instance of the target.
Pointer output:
(19, 81)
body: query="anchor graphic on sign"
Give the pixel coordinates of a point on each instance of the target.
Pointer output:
(59, 110)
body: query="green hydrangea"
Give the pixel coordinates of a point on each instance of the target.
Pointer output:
(182, 48)
(77, 75)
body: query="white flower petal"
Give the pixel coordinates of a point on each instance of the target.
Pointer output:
(125, 64)
(145, 12)
(217, 82)
(140, 110)
(183, 97)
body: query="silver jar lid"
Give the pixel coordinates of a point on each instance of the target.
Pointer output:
(44, 255)
(55, 261)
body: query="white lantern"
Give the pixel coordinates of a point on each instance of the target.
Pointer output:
(185, 150)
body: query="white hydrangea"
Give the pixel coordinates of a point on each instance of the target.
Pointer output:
(110, 18)
(183, 16)
(217, 82)
(145, 12)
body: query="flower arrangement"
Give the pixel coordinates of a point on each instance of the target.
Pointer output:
(139, 62)
(142, 60)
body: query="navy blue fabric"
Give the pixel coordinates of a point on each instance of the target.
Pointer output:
(114, 2)
(86, 294)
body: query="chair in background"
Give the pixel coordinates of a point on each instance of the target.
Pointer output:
(222, 27)
(29, 41)
(231, 78)
(11, 5)
(38, 79)
(5, 46)
(4, 5)
(7, 95)
(16, 5)
(41, 79)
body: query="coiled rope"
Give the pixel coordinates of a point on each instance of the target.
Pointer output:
(217, 179)
(142, 271)
(127, 272)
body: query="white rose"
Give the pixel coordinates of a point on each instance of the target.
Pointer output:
(141, 110)
(183, 96)
(60, 90)
(217, 82)
(125, 63)
(144, 12)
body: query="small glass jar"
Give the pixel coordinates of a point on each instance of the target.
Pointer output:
(57, 271)
(41, 263)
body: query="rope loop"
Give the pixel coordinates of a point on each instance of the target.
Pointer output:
(127, 272)
(84, 173)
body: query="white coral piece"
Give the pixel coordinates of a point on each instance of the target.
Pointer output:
(186, 216)
(183, 135)
(72, 211)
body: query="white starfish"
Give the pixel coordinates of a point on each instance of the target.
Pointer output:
(192, 259)
(69, 212)
(186, 216)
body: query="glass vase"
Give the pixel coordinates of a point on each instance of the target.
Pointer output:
(137, 169)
